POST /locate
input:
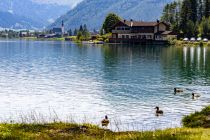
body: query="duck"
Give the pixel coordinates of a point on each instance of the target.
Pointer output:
(195, 95)
(158, 111)
(105, 122)
(176, 90)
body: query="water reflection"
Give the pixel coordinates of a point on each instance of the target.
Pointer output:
(125, 82)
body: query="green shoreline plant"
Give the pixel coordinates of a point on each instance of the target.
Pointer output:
(72, 131)
(198, 119)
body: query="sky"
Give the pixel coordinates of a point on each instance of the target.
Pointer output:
(71, 3)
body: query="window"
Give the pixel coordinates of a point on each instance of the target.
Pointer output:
(127, 36)
(126, 28)
(123, 36)
(114, 36)
(149, 37)
(133, 37)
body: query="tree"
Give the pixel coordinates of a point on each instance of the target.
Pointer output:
(85, 32)
(79, 35)
(193, 8)
(207, 8)
(94, 31)
(186, 16)
(165, 15)
(109, 22)
(171, 15)
(81, 28)
(75, 32)
(204, 27)
(200, 10)
(70, 32)
(191, 29)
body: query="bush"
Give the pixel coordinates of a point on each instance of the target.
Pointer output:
(198, 119)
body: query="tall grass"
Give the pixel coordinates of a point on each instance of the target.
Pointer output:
(36, 126)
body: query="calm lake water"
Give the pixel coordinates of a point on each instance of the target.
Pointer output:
(86, 82)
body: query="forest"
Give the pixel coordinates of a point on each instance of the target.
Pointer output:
(188, 18)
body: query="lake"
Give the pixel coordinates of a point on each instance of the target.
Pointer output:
(47, 80)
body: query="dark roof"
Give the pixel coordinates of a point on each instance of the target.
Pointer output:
(57, 30)
(140, 23)
(160, 33)
(165, 33)
(169, 33)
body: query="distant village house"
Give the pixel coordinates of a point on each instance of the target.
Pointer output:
(26, 33)
(58, 31)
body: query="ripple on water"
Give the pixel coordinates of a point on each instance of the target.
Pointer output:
(85, 83)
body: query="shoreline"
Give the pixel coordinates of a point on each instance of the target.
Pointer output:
(187, 43)
(194, 128)
(176, 43)
(59, 130)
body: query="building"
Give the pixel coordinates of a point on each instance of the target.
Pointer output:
(141, 32)
(26, 33)
(58, 31)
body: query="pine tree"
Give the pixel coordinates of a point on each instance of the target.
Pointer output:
(186, 15)
(207, 8)
(171, 14)
(204, 27)
(193, 8)
(75, 32)
(81, 28)
(85, 32)
(165, 15)
(79, 36)
(200, 10)
(70, 32)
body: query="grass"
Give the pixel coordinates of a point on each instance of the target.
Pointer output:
(44, 39)
(198, 119)
(196, 127)
(66, 131)
(187, 43)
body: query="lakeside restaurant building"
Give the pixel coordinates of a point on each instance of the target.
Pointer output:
(141, 32)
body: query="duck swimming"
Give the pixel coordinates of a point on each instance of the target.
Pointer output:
(105, 122)
(195, 95)
(158, 111)
(176, 90)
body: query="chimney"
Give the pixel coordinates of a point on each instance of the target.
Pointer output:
(124, 20)
(131, 22)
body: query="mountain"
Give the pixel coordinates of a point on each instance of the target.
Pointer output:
(30, 13)
(93, 12)
(9, 20)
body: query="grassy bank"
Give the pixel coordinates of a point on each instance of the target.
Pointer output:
(58, 131)
(198, 121)
(44, 39)
(188, 43)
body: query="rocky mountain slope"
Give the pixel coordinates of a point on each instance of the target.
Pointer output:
(28, 13)
(93, 12)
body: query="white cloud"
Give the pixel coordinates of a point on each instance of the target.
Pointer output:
(71, 3)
